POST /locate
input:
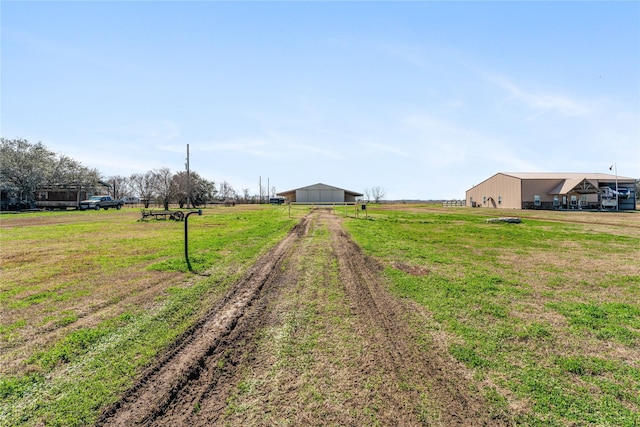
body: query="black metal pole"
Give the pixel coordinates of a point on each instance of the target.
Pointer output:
(186, 235)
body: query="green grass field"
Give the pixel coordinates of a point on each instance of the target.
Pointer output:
(89, 298)
(545, 315)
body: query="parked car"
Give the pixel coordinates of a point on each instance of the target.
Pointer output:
(97, 202)
(130, 200)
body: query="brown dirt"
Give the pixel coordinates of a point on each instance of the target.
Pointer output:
(358, 355)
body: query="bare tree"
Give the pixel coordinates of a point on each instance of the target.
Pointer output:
(226, 191)
(375, 194)
(165, 188)
(144, 186)
(121, 186)
(245, 195)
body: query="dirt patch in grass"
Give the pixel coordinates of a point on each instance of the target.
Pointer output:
(414, 270)
(309, 336)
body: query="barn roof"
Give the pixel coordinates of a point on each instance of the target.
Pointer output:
(317, 187)
(567, 176)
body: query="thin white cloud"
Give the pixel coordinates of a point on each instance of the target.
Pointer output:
(443, 144)
(542, 103)
(106, 156)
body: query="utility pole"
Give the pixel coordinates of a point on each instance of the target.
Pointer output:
(617, 194)
(188, 181)
(260, 189)
(615, 165)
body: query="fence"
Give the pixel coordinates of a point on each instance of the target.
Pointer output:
(354, 207)
(454, 203)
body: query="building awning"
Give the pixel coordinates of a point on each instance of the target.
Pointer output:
(575, 185)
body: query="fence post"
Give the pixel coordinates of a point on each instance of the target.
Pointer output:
(186, 236)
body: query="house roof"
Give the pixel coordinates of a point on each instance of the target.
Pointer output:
(578, 177)
(317, 187)
(580, 185)
(567, 175)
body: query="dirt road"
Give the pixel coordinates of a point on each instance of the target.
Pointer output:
(310, 336)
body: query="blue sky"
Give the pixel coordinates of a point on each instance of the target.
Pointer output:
(424, 99)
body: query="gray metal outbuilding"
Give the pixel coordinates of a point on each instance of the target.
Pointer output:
(320, 193)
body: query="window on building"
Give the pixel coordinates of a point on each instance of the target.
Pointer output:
(499, 200)
(536, 200)
(484, 200)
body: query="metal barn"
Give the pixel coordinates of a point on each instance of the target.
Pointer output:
(320, 193)
(554, 191)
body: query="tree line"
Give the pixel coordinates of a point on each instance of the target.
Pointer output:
(27, 169)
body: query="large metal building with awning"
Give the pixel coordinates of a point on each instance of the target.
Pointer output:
(547, 190)
(320, 193)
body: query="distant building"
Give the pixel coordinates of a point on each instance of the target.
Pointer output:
(320, 193)
(10, 199)
(554, 191)
(68, 196)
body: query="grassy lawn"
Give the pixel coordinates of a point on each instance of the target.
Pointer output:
(88, 298)
(545, 313)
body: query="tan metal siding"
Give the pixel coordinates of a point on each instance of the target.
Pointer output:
(539, 187)
(499, 191)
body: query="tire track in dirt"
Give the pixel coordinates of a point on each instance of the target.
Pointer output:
(433, 373)
(193, 383)
(164, 384)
